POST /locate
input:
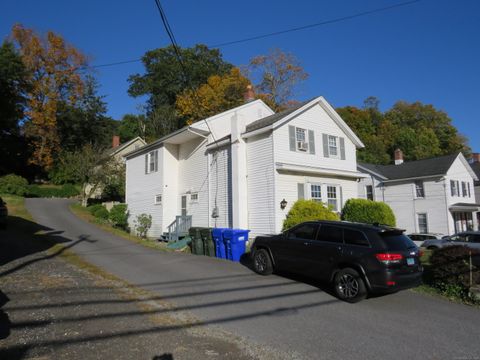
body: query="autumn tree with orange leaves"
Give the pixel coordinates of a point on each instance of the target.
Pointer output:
(54, 76)
(220, 93)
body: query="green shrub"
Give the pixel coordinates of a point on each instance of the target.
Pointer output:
(66, 191)
(119, 216)
(93, 208)
(143, 223)
(13, 184)
(368, 211)
(307, 210)
(449, 270)
(101, 213)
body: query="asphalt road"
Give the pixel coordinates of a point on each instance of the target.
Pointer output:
(297, 319)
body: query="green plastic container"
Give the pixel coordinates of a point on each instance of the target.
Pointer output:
(197, 243)
(208, 243)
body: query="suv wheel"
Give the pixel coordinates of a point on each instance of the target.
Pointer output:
(262, 263)
(349, 286)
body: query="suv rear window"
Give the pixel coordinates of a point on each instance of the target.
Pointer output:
(397, 242)
(354, 237)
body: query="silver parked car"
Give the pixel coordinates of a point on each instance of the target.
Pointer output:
(419, 238)
(470, 239)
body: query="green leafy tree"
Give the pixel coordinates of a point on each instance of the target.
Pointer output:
(308, 210)
(132, 126)
(85, 123)
(164, 78)
(13, 86)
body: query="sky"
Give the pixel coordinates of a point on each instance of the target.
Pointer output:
(427, 51)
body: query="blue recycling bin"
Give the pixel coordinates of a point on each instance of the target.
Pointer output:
(235, 242)
(217, 234)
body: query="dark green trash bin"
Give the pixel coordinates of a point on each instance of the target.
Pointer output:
(197, 242)
(207, 239)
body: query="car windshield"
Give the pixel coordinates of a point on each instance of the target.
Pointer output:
(397, 242)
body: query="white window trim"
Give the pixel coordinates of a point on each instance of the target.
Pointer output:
(415, 190)
(297, 141)
(156, 202)
(194, 200)
(337, 146)
(418, 221)
(324, 194)
(151, 155)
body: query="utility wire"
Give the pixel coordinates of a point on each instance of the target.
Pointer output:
(178, 56)
(276, 33)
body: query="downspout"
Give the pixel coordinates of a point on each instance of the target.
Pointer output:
(446, 205)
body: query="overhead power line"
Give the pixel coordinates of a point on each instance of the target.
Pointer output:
(276, 33)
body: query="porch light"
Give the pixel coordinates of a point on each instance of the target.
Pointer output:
(283, 204)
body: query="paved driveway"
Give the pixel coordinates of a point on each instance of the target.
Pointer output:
(298, 319)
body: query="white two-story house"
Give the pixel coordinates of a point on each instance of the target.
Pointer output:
(427, 196)
(244, 168)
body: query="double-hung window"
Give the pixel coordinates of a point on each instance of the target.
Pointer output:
(158, 199)
(464, 189)
(194, 197)
(454, 187)
(300, 136)
(151, 162)
(333, 146)
(316, 192)
(422, 223)
(419, 189)
(332, 197)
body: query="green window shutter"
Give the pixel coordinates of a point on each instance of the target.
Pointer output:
(325, 145)
(146, 163)
(156, 161)
(301, 191)
(291, 134)
(311, 141)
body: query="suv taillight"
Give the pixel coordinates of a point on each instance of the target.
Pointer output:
(389, 258)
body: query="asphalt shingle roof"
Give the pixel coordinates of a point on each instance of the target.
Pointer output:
(476, 169)
(412, 169)
(272, 119)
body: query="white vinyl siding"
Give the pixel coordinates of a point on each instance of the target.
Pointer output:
(262, 202)
(140, 191)
(193, 178)
(221, 187)
(320, 123)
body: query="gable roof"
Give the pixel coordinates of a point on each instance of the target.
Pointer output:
(270, 120)
(476, 169)
(276, 120)
(113, 151)
(437, 166)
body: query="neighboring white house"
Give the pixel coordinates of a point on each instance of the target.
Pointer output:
(432, 195)
(475, 164)
(235, 169)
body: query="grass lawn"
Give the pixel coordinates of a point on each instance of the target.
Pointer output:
(16, 206)
(84, 214)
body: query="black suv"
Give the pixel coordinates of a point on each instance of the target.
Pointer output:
(356, 258)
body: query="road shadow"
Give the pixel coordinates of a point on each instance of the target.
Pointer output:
(247, 261)
(5, 323)
(165, 356)
(23, 238)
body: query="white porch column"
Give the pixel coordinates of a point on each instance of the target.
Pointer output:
(239, 174)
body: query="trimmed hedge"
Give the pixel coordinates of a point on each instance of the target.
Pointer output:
(13, 184)
(308, 210)
(368, 211)
(119, 216)
(450, 269)
(66, 191)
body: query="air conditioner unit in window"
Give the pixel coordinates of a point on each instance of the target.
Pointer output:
(302, 145)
